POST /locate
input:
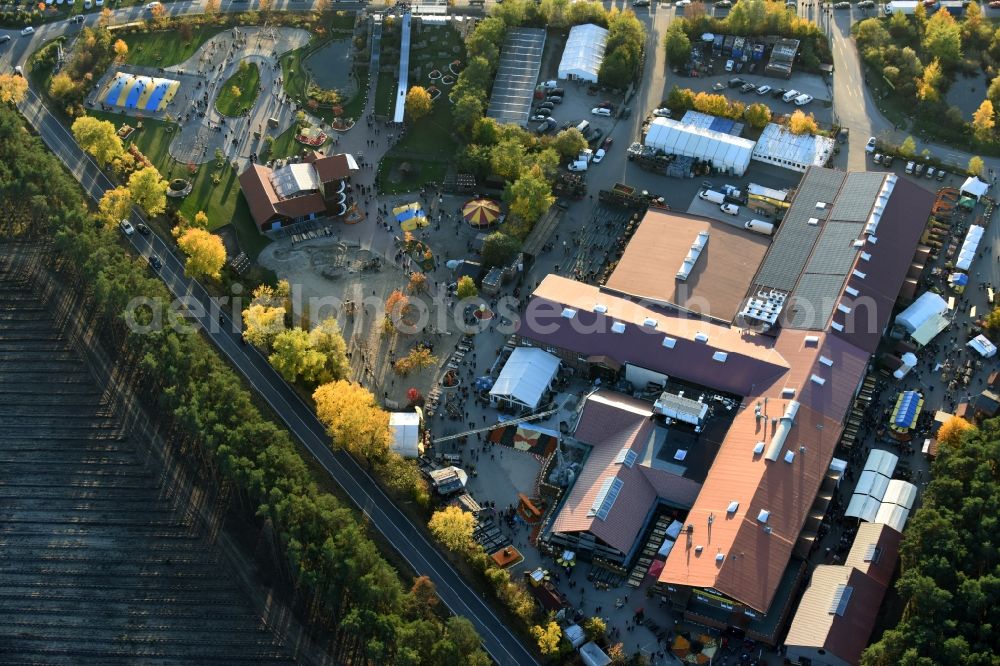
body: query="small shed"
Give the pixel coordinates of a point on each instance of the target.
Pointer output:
(406, 434)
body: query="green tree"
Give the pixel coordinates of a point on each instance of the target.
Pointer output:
(677, 44)
(549, 637)
(499, 249)
(115, 205)
(929, 85)
(680, 99)
(149, 190)
(993, 92)
(418, 102)
(943, 38)
(908, 148)
(507, 159)
(466, 288)
(801, 123)
(758, 115)
(453, 527)
(983, 121)
(468, 109)
(13, 88)
(294, 357)
(976, 166)
(97, 137)
(353, 419)
(206, 254)
(569, 142)
(328, 340)
(529, 196)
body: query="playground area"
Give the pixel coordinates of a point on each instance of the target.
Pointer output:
(140, 92)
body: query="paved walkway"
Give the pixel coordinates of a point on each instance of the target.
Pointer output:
(203, 129)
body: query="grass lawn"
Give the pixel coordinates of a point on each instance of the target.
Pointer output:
(293, 72)
(343, 21)
(385, 91)
(164, 48)
(355, 105)
(428, 146)
(222, 202)
(247, 80)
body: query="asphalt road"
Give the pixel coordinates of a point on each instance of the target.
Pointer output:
(422, 555)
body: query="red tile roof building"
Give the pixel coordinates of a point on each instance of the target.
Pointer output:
(306, 190)
(843, 249)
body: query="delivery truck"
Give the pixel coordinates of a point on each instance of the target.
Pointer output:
(760, 227)
(713, 196)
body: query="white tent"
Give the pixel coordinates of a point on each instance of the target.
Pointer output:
(797, 152)
(592, 655)
(974, 187)
(525, 377)
(970, 246)
(920, 310)
(584, 53)
(724, 151)
(405, 433)
(983, 346)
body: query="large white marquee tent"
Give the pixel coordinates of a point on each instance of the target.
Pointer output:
(525, 377)
(584, 53)
(724, 151)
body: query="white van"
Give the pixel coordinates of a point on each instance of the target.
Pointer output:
(578, 165)
(790, 95)
(760, 226)
(584, 127)
(713, 196)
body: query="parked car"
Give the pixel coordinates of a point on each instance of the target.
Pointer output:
(555, 99)
(930, 172)
(726, 4)
(541, 114)
(995, 4)
(729, 65)
(719, 85)
(887, 160)
(841, 5)
(866, 4)
(843, 135)
(747, 87)
(155, 263)
(680, 4)
(790, 95)
(941, 174)
(919, 170)
(909, 167)
(778, 92)
(595, 137)
(730, 209)
(870, 146)
(803, 99)
(126, 227)
(599, 155)
(27, 31)
(547, 105)
(661, 113)
(764, 89)
(598, 111)
(142, 229)
(640, 3)
(4, 39)
(579, 165)
(736, 82)
(557, 92)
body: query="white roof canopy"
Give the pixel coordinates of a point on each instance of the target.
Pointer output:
(723, 150)
(584, 52)
(983, 346)
(525, 376)
(974, 187)
(920, 310)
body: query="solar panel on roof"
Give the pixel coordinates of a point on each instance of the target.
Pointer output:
(841, 597)
(873, 553)
(606, 497)
(626, 457)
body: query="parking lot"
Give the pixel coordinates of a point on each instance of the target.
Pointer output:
(577, 103)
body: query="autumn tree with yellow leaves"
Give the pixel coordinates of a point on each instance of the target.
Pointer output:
(453, 527)
(353, 419)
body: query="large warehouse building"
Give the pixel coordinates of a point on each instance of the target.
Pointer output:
(584, 53)
(728, 153)
(790, 351)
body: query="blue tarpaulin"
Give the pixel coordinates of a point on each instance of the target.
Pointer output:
(907, 412)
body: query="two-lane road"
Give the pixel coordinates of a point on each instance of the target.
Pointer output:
(408, 539)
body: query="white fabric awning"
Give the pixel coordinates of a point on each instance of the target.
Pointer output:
(920, 310)
(900, 492)
(405, 433)
(974, 187)
(983, 346)
(892, 515)
(864, 507)
(525, 376)
(584, 52)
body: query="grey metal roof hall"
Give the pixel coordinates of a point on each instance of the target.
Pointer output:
(815, 247)
(517, 74)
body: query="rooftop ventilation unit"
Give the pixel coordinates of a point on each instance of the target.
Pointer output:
(649, 321)
(569, 313)
(781, 432)
(859, 242)
(763, 516)
(865, 256)
(828, 362)
(816, 379)
(789, 457)
(733, 507)
(852, 291)
(719, 557)
(698, 549)
(787, 392)
(858, 274)
(843, 308)
(600, 308)
(837, 326)
(720, 356)
(692, 256)
(820, 205)
(813, 221)
(618, 327)
(669, 342)
(758, 448)
(812, 339)
(626, 457)
(701, 337)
